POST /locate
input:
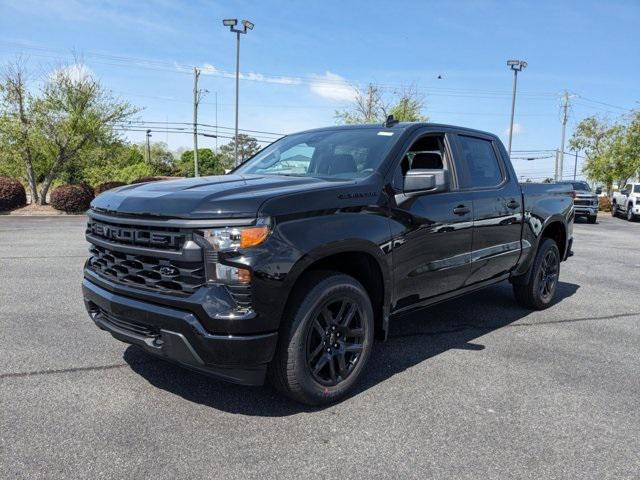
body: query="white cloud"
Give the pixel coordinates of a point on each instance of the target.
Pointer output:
(332, 86)
(77, 72)
(208, 69)
(517, 130)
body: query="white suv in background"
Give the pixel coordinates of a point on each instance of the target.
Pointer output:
(627, 201)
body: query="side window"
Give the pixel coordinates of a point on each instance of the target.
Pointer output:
(479, 158)
(628, 188)
(425, 153)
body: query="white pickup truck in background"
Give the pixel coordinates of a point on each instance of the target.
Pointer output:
(627, 201)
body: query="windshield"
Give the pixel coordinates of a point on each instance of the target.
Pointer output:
(582, 186)
(339, 154)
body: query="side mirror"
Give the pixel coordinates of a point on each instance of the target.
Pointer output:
(426, 181)
(624, 192)
(598, 191)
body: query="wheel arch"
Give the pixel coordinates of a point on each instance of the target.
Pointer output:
(362, 261)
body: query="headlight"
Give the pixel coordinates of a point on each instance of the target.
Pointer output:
(231, 239)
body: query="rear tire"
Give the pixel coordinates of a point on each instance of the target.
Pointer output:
(325, 339)
(538, 292)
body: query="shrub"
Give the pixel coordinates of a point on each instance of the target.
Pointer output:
(152, 179)
(12, 194)
(103, 187)
(88, 188)
(604, 204)
(71, 198)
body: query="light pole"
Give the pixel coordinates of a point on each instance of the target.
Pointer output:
(148, 146)
(246, 25)
(516, 66)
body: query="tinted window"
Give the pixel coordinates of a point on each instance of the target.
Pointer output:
(480, 161)
(636, 189)
(341, 154)
(578, 185)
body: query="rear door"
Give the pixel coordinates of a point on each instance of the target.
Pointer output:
(497, 205)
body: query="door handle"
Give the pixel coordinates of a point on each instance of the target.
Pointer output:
(461, 210)
(513, 204)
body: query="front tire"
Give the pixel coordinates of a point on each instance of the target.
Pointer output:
(538, 292)
(592, 218)
(630, 216)
(614, 209)
(325, 340)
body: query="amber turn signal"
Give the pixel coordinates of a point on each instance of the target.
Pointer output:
(252, 236)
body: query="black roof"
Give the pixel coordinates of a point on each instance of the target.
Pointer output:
(401, 126)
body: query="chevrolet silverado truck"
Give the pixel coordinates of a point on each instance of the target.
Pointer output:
(289, 267)
(627, 201)
(585, 202)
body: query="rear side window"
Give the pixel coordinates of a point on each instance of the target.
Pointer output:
(480, 160)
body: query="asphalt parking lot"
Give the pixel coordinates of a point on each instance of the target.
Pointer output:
(473, 388)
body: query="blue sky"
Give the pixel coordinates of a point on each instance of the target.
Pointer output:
(303, 57)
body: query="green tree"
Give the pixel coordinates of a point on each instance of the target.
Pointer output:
(408, 106)
(371, 106)
(247, 147)
(54, 131)
(209, 163)
(18, 136)
(162, 161)
(611, 149)
(368, 106)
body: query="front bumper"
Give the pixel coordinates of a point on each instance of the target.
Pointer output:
(179, 336)
(585, 210)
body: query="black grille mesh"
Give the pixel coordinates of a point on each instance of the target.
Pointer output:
(147, 272)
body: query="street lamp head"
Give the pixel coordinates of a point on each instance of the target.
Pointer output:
(230, 22)
(248, 25)
(516, 65)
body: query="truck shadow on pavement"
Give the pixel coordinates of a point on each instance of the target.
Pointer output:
(414, 338)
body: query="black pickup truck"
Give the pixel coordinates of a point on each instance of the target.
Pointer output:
(291, 265)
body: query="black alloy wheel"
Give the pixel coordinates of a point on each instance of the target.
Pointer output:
(325, 339)
(548, 275)
(335, 341)
(537, 288)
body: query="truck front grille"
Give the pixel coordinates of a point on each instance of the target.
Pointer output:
(147, 272)
(142, 236)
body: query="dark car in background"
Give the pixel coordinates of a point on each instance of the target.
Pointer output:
(585, 202)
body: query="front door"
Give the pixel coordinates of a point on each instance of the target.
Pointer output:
(432, 232)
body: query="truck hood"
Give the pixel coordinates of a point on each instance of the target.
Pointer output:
(223, 196)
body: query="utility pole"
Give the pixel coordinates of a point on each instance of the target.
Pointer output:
(555, 174)
(216, 122)
(575, 166)
(148, 146)
(516, 66)
(565, 117)
(196, 100)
